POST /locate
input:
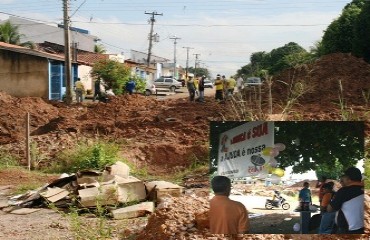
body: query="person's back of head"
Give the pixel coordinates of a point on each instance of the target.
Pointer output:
(306, 184)
(221, 185)
(353, 174)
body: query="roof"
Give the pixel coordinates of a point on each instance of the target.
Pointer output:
(19, 49)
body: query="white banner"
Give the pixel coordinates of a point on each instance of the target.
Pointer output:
(240, 149)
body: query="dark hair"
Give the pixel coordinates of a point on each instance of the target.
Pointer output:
(324, 178)
(306, 184)
(328, 185)
(354, 174)
(221, 185)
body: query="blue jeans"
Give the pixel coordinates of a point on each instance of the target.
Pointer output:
(327, 223)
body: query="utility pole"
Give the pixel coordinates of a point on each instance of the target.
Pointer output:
(195, 64)
(174, 57)
(67, 53)
(152, 21)
(187, 61)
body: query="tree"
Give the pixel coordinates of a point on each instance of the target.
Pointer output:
(99, 48)
(114, 74)
(361, 41)
(319, 146)
(199, 71)
(9, 34)
(339, 35)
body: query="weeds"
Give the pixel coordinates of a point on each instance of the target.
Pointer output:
(95, 155)
(346, 113)
(37, 157)
(7, 159)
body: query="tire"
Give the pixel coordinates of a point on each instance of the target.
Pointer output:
(268, 205)
(285, 206)
(172, 89)
(147, 92)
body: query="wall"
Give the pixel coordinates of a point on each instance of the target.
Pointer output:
(84, 75)
(23, 75)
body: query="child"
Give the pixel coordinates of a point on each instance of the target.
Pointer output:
(327, 218)
(305, 197)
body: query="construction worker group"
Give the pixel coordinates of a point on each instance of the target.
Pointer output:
(224, 87)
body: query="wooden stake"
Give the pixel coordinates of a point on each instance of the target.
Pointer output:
(28, 157)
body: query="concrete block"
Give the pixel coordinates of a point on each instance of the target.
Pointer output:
(54, 194)
(120, 169)
(105, 195)
(134, 211)
(130, 189)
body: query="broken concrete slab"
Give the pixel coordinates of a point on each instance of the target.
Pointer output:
(134, 211)
(120, 169)
(104, 195)
(54, 194)
(162, 189)
(86, 182)
(25, 211)
(130, 189)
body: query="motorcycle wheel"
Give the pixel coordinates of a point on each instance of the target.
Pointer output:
(285, 206)
(268, 205)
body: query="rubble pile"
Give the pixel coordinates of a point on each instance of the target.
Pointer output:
(113, 187)
(175, 218)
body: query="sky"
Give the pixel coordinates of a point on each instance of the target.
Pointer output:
(223, 33)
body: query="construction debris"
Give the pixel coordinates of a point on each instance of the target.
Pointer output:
(134, 211)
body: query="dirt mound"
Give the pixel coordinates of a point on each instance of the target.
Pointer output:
(13, 112)
(322, 79)
(161, 134)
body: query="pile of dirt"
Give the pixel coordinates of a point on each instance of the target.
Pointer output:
(176, 219)
(321, 79)
(13, 115)
(162, 135)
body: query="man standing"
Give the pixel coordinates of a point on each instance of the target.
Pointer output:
(226, 216)
(349, 202)
(231, 83)
(130, 86)
(239, 84)
(191, 88)
(97, 90)
(201, 88)
(219, 87)
(196, 84)
(80, 90)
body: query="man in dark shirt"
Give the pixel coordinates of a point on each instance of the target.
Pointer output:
(349, 202)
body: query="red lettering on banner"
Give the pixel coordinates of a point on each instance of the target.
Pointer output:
(260, 130)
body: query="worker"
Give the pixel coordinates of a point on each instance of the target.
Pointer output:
(79, 90)
(231, 83)
(219, 88)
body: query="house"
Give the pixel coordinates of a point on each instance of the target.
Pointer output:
(25, 72)
(156, 64)
(41, 32)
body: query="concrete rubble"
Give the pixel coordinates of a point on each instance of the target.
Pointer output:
(113, 187)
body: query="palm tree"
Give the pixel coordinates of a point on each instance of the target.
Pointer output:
(9, 34)
(99, 48)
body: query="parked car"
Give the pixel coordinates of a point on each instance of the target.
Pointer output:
(208, 84)
(167, 82)
(252, 81)
(150, 89)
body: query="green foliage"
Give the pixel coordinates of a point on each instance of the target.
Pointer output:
(367, 173)
(86, 156)
(199, 71)
(114, 74)
(9, 33)
(140, 84)
(339, 36)
(361, 41)
(275, 61)
(316, 145)
(7, 159)
(99, 48)
(330, 171)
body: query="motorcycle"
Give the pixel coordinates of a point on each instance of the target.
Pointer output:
(277, 202)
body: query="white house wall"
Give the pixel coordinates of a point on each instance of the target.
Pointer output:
(84, 75)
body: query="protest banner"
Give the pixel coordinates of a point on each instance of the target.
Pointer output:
(242, 150)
